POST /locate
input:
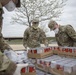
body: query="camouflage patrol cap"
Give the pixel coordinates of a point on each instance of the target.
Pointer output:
(52, 24)
(35, 23)
(35, 20)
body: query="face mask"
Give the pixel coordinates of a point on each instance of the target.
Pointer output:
(35, 26)
(56, 30)
(10, 6)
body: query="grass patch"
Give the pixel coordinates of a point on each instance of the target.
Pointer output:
(20, 41)
(17, 41)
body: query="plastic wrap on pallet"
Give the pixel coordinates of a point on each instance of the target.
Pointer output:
(55, 62)
(36, 50)
(28, 70)
(40, 52)
(33, 61)
(69, 49)
(61, 62)
(70, 67)
(48, 60)
(22, 56)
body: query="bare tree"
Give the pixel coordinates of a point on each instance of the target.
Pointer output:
(42, 9)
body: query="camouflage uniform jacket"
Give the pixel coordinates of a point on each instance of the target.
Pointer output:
(33, 38)
(3, 44)
(5, 63)
(66, 36)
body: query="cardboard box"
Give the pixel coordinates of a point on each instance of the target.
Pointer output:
(47, 61)
(44, 64)
(37, 56)
(28, 70)
(43, 52)
(60, 72)
(68, 51)
(70, 68)
(33, 73)
(58, 66)
(38, 53)
(65, 51)
(74, 52)
(60, 62)
(56, 50)
(46, 69)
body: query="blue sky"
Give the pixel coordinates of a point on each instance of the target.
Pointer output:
(68, 17)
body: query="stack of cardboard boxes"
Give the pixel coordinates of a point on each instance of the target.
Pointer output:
(40, 52)
(24, 67)
(55, 60)
(28, 70)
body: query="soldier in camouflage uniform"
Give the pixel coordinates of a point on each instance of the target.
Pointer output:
(33, 36)
(3, 44)
(65, 35)
(7, 67)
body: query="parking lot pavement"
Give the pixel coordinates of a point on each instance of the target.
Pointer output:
(20, 46)
(17, 46)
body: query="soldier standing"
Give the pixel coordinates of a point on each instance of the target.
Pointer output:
(33, 36)
(65, 35)
(7, 65)
(10, 6)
